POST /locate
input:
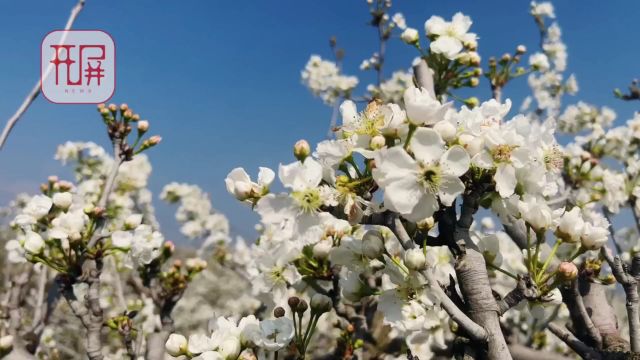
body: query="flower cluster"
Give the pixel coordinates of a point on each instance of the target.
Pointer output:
(325, 80)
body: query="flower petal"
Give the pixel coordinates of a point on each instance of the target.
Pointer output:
(426, 206)
(427, 145)
(505, 179)
(402, 195)
(450, 188)
(483, 160)
(455, 161)
(391, 164)
(265, 176)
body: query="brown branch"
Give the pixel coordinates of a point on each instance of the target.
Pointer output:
(629, 282)
(475, 331)
(576, 345)
(473, 280)
(36, 89)
(579, 314)
(88, 311)
(525, 289)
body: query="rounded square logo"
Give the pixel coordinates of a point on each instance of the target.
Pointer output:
(78, 66)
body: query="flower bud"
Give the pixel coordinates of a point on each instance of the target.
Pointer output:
(446, 130)
(133, 221)
(415, 259)
(474, 58)
(230, 348)
(410, 36)
(169, 246)
(472, 102)
(242, 190)
(372, 244)
(474, 81)
(113, 107)
(64, 185)
(567, 271)
(594, 237)
(33, 242)
(322, 248)
(195, 264)
(301, 149)
(571, 226)
(377, 142)
(52, 179)
(302, 306)
(293, 302)
(143, 126)
(62, 200)
(176, 345)
(521, 49)
(426, 224)
(279, 312)
(154, 140)
(321, 303)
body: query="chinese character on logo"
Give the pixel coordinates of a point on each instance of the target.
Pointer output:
(78, 66)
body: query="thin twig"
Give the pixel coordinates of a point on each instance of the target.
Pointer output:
(590, 328)
(525, 289)
(36, 89)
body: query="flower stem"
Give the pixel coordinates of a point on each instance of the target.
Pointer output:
(412, 129)
(312, 328)
(497, 268)
(548, 261)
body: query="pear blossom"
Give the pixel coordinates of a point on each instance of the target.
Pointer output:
(199, 343)
(535, 211)
(571, 225)
(68, 225)
(450, 37)
(276, 333)
(121, 239)
(410, 35)
(505, 151)
(413, 187)
(594, 236)
(240, 185)
(539, 61)
(37, 207)
(62, 200)
(33, 242)
(176, 345)
(415, 259)
(422, 107)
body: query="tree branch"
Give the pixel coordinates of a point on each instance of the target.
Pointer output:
(525, 289)
(475, 331)
(629, 283)
(576, 345)
(37, 88)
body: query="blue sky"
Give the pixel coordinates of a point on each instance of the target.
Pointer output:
(220, 80)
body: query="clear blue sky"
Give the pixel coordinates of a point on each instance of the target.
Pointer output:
(220, 80)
